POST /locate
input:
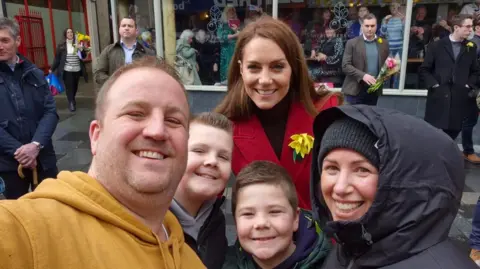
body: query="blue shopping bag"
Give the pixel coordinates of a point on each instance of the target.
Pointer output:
(54, 84)
(2, 186)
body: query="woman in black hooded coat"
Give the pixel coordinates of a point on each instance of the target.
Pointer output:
(420, 179)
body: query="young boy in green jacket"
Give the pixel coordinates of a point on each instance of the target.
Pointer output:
(272, 231)
(196, 203)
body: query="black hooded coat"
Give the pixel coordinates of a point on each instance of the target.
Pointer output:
(420, 185)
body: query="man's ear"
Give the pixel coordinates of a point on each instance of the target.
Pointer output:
(18, 41)
(94, 134)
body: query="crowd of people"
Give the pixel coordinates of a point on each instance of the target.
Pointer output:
(319, 183)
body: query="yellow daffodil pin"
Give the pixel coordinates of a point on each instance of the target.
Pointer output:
(469, 45)
(301, 144)
(380, 40)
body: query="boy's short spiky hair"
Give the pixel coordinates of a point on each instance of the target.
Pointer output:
(215, 120)
(265, 172)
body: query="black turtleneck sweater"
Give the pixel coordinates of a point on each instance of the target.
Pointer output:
(274, 123)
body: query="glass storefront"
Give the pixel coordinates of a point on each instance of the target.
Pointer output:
(208, 29)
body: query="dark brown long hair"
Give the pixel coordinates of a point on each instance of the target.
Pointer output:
(237, 104)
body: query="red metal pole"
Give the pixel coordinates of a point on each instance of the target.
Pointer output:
(85, 16)
(69, 6)
(27, 11)
(46, 66)
(52, 27)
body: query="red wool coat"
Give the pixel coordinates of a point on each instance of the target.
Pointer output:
(252, 144)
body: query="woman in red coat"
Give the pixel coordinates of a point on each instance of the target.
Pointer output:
(271, 98)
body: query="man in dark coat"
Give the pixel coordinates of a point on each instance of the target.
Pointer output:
(420, 183)
(28, 116)
(450, 71)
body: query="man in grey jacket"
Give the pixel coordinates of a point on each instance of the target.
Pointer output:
(362, 60)
(120, 53)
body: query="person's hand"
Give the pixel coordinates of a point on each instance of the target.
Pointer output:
(420, 31)
(30, 165)
(413, 29)
(321, 57)
(49, 71)
(369, 79)
(234, 27)
(312, 55)
(198, 67)
(387, 18)
(443, 23)
(27, 154)
(215, 67)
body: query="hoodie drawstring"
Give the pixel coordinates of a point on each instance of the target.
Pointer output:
(176, 253)
(164, 257)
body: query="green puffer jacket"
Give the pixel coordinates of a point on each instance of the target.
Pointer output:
(312, 247)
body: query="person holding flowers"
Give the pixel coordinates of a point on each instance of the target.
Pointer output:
(450, 72)
(68, 63)
(272, 102)
(362, 61)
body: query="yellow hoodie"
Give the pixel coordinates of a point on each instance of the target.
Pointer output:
(73, 222)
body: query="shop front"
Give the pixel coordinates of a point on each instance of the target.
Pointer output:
(317, 23)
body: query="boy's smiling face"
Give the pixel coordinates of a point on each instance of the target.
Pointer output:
(209, 162)
(265, 227)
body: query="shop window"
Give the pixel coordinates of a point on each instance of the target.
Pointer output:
(323, 28)
(205, 36)
(142, 12)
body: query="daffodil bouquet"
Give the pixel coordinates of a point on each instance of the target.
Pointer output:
(82, 42)
(389, 68)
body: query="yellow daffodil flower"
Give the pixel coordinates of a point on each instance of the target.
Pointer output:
(380, 40)
(81, 37)
(301, 144)
(470, 44)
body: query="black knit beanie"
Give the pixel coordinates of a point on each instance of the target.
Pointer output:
(351, 134)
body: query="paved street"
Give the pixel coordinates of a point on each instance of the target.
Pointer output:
(72, 147)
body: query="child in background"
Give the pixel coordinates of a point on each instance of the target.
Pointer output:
(272, 231)
(196, 203)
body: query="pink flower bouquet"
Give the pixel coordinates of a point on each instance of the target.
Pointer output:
(389, 68)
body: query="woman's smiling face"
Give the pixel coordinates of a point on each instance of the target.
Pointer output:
(266, 72)
(348, 184)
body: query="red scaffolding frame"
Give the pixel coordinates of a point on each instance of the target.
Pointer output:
(52, 22)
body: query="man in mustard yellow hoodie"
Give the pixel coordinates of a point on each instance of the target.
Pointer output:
(116, 215)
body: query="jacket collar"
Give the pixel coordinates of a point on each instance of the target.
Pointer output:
(138, 45)
(253, 143)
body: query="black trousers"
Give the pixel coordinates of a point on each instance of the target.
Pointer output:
(15, 187)
(71, 84)
(452, 133)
